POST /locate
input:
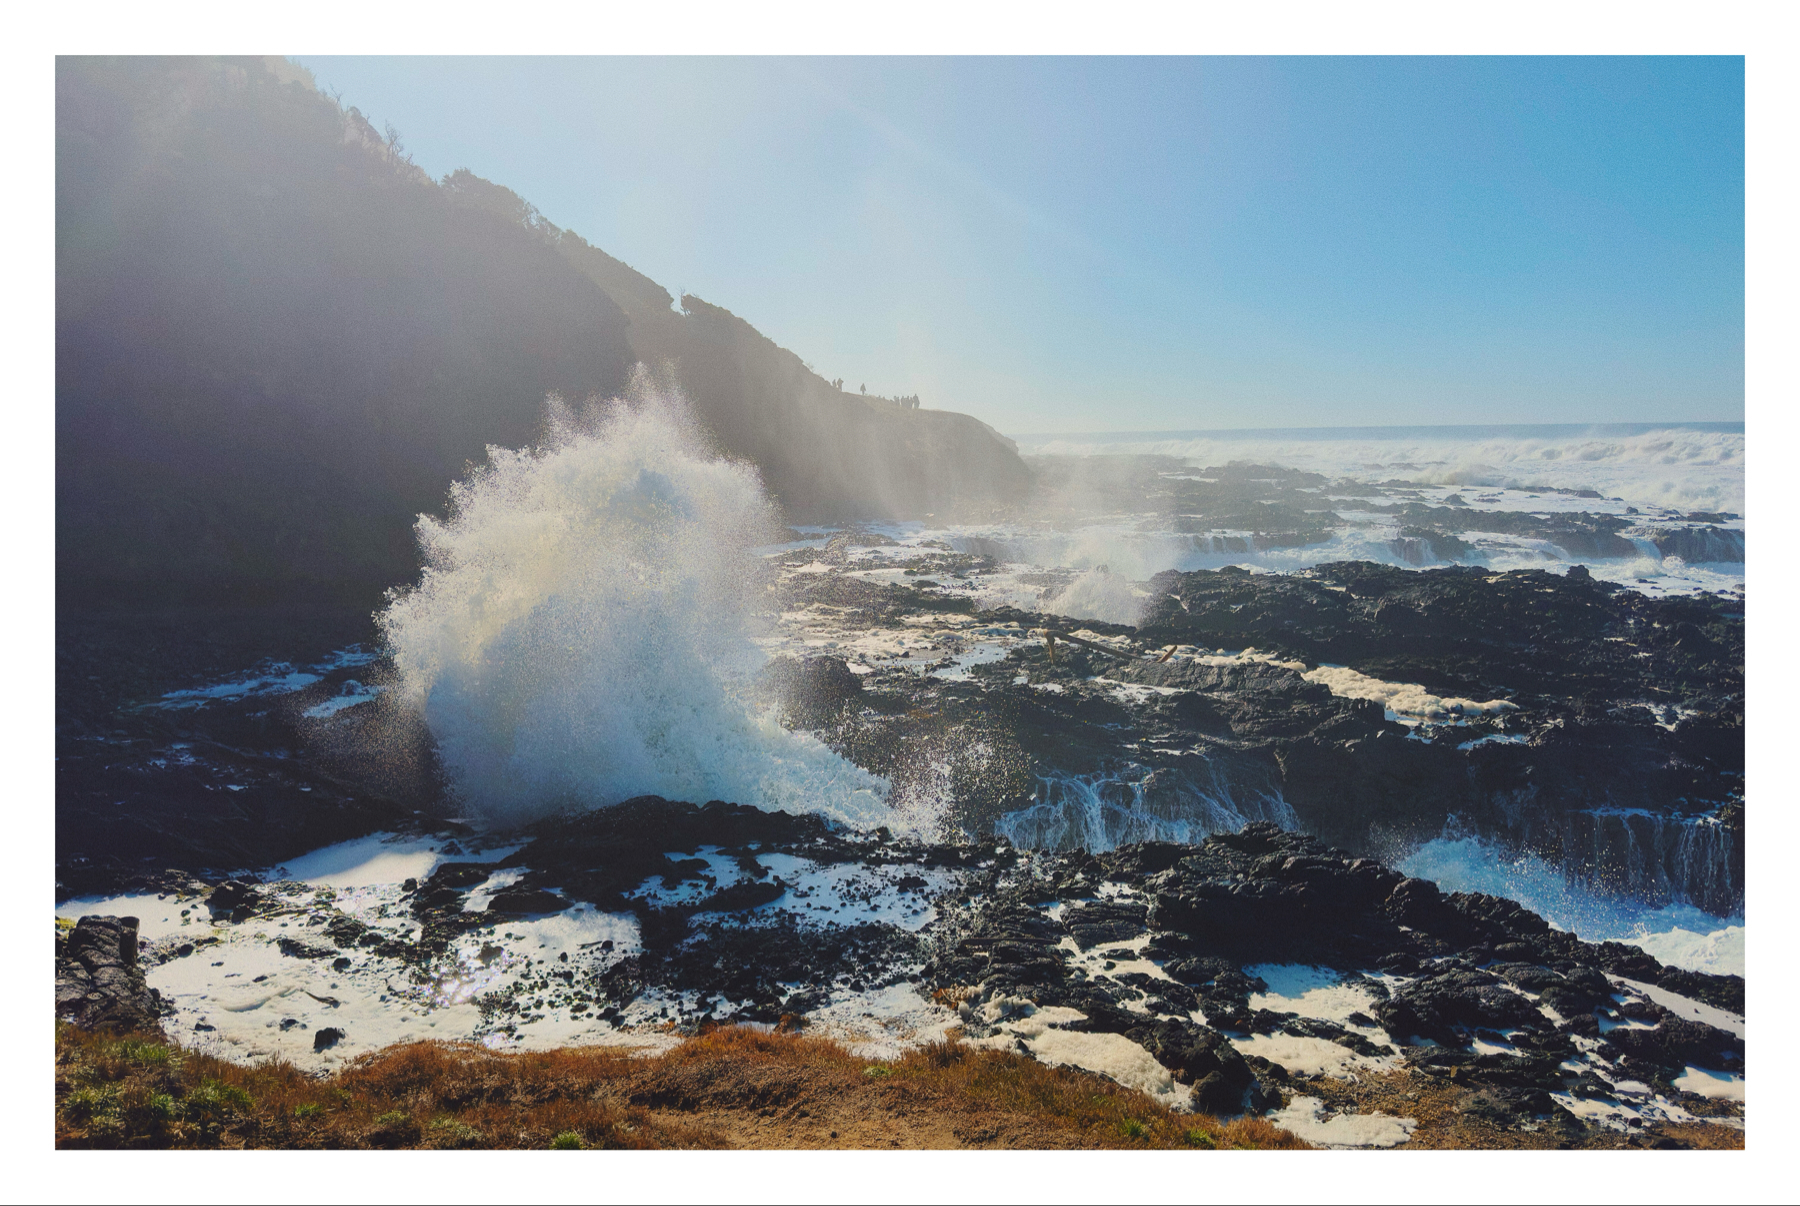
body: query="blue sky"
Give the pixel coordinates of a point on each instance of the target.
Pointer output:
(1065, 244)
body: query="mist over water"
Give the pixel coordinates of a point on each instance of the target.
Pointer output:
(1678, 484)
(580, 633)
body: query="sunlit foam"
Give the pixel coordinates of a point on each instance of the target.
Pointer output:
(580, 633)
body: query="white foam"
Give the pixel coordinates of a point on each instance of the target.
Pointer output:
(231, 997)
(346, 658)
(352, 694)
(482, 895)
(276, 678)
(842, 894)
(1633, 1101)
(1724, 1085)
(1311, 992)
(1687, 1007)
(1112, 1055)
(1308, 1056)
(1135, 693)
(233, 992)
(1528, 473)
(853, 894)
(883, 1023)
(380, 858)
(1672, 467)
(477, 962)
(580, 634)
(1305, 1117)
(1719, 951)
(158, 916)
(1093, 961)
(1495, 739)
(980, 654)
(1408, 703)
(722, 871)
(1099, 594)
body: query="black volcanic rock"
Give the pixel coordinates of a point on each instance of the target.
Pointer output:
(1523, 634)
(1479, 992)
(526, 902)
(1472, 967)
(1434, 1007)
(812, 690)
(1100, 922)
(99, 982)
(300, 948)
(234, 900)
(1604, 695)
(1675, 1042)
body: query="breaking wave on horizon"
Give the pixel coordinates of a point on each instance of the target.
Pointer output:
(1694, 467)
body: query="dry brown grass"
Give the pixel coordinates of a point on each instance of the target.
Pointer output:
(415, 1095)
(728, 1088)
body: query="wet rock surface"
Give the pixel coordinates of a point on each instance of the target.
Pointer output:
(1464, 988)
(1559, 715)
(1614, 747)
(1613, 697)
(1621, 734)
(1168, 966)
(99, 981)
(708, 946)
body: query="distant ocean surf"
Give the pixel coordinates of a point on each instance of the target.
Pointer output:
(1691, 466)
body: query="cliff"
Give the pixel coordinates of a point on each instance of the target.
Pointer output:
(279, 341)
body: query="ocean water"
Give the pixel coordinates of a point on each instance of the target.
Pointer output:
(1677, 934)
(1688, 466)
(1101, 811)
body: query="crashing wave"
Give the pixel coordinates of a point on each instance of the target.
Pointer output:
(580, 635)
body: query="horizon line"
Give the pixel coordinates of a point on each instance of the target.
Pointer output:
(1729, 426)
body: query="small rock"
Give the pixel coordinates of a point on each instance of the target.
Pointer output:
(299, 949)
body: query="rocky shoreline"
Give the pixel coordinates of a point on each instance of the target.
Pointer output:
(1245, 974)
(1592, 727)
(1559, 716)
(1122, 880)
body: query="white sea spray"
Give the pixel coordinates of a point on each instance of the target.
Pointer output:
(581, 632)
(1099, 594)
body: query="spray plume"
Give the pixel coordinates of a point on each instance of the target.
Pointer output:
(580, 634)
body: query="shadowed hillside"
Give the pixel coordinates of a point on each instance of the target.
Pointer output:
(825, 454)
(278, 341)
